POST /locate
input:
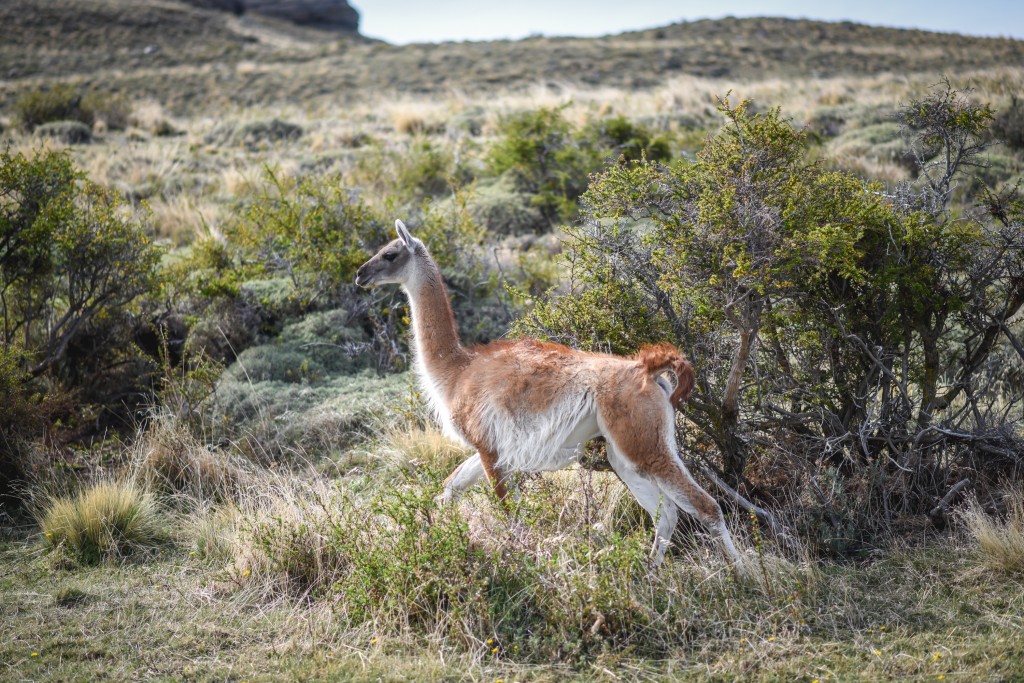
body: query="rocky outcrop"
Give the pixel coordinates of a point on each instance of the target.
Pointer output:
(334, 14)
(236, 6)
(330, 14)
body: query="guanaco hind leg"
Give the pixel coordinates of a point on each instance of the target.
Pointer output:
(642, 441)
(651, 498)
(680, 486)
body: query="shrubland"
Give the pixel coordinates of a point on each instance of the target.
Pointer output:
(228, 437)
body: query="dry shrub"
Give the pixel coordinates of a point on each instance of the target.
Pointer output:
(149, 116)
(170, 460)
(1001, 541)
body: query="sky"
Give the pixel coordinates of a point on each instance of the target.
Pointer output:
(414, 21)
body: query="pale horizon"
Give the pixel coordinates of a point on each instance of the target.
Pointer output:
(402, 22)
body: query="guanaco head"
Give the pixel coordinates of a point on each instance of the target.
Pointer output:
(396, 262)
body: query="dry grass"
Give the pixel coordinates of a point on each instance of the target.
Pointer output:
(416, 446)
(170, 460)
(373, 141)
(1000, 541)
(107, 520)
(150, 117)
(181, 219)
(417, 117)
(364, 575)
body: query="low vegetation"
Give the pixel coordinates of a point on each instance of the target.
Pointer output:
(1000, 540)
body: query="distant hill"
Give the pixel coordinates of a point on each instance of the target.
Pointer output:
(193, 58)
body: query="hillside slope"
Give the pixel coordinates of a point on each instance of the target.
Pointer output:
(191, 58)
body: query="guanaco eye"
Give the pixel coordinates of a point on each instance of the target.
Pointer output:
(390, 256)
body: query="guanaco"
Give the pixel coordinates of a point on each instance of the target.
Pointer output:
(531, 406)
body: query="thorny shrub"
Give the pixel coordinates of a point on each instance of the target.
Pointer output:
(840, 332)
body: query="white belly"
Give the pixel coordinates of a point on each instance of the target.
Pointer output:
(545, 443)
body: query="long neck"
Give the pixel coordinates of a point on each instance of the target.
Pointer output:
(436, 337)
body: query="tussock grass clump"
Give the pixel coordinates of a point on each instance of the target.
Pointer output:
(1001, 541)
(254, 134)
(103, 522)
(417, 117)
(182, 219)
(150, 117)
(212, 530)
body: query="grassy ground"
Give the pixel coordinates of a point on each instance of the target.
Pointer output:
(194, 170)
(932, 612)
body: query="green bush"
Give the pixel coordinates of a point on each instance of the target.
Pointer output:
(426, 170)
(818, 310)
(75, 265)
(618, 136)
(457, 241)
(21, 420)
(1008, 125)
(72, 254)
(66, 103)
(312, 231)
(550, 160)
(58, 103)
(504, 210)
(294, 248)
(541, 152)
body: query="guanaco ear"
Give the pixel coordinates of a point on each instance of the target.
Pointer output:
(406, 238)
